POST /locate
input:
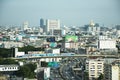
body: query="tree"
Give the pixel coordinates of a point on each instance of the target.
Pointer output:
(86, 76)
(101, 77)
(7, 61)
(27, 71)
(30, 48)
(31, 66)
(24, 71)
(5, 53)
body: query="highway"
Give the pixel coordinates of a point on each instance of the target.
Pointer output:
(59, 56)
(67, 72)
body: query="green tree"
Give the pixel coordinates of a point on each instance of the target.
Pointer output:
(27, 71)
(7, 61)
(30, 48)
(86, 76)
(5, 53)
(101, 77)
(32, 66)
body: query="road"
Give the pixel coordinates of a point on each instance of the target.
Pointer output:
(67, 71)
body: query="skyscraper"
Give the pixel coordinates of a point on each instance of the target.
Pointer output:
(25, 25)
(52, 25)
(41, 23)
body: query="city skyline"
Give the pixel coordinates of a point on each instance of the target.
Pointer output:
(70, 13)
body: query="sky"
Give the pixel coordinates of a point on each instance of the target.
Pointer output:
(69, 12)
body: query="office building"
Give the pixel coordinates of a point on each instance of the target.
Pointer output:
(52, 25)
(107, 46)
(25, 25)
(57, 32)
(41, 23)
(93, 28)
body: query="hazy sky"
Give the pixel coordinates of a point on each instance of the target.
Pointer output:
(70, 12)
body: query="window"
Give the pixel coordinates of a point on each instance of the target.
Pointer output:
(99, 63)
(92, 72)
(99, 66)
(3, 69)
(92, 75)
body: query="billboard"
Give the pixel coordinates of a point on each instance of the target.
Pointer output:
(53, 64)
(71, 38)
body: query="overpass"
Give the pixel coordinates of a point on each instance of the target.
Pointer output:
(60, 56)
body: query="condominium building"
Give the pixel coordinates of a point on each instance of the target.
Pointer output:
(95, 68)
(115, 72)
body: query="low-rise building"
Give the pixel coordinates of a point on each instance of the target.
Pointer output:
(4, 68)
(10, 44)
(115, 72)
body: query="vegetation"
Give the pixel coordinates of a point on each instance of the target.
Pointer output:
(86, 76)
(5, 53)
(100, 77)
(44, 64)
(30, 48)
(27, 71)
(7, 61)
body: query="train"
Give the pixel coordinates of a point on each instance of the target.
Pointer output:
(45, 55)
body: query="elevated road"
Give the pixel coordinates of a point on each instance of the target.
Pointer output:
(94, 56)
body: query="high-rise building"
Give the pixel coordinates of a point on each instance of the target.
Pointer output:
(42, 23)
(95, 68)
(25, 25)
(52, 25)
(93, 28)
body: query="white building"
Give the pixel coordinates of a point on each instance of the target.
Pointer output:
(92, 28)
(52, 25)
(54, 51)
(50, 59)
(115, 72)
(18, 54)
(9, 68)
(25, 25)
(10, 44)
(94, 68)
(46, 73)
(103, 37)
(107, 44)
(70, 45)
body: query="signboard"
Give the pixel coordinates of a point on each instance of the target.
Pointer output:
(71, 38)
